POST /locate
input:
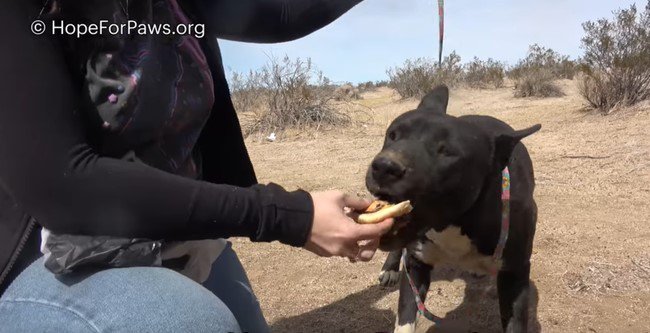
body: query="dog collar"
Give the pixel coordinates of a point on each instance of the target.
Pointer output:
(496, 256)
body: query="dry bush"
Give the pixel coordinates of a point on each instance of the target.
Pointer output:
(415, 78)
(450, 71)
(535, 74)
(382, 83)
(366, 86)
(245, 92)
(537, 83)
(347, 92)
(293, 94)
(616, 64)
(484, 74)
(540, 58)
(566, 68)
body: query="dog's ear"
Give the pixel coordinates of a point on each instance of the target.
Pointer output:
(505, 143)
(436, 100)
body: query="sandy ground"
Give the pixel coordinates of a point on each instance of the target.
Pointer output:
(591, 260)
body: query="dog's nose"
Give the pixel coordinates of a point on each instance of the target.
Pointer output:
(383, 167)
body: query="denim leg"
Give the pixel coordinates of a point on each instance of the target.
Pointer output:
(137, 299)
(229, 282)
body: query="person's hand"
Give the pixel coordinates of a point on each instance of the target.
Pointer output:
(335, 234)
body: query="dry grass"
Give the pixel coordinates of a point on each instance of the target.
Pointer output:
(590, 257)
(604, 278)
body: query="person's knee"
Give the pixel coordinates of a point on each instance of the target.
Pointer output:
(129, 299)
(191, 307)
(162, 300)
(16, 315)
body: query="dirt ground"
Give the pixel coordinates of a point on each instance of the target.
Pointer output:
(591, 259)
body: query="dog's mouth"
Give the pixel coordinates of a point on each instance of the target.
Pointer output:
(393, 236)
(385, 195)
(393, 198)
(400, 223)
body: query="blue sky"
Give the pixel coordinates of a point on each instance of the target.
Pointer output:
(378, 34)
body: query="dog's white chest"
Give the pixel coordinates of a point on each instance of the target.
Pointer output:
(451, 247)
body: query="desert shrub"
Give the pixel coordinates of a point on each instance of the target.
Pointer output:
(566, 68)
(347, 92)
(537, 83)
(292, 94)
(534, 75)
(382, 83)
(415, 78)
(542, 58)
(451, 70)
(484, 74)
(616, 63)
(366, 86)
(245, 92)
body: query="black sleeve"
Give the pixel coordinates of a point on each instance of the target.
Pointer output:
(50, 170)
(269, 21)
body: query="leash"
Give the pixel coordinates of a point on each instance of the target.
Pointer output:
(422, 309)
(498, 252)
(441, 16)
(505, 219)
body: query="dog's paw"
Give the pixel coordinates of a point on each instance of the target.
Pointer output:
(388, 278)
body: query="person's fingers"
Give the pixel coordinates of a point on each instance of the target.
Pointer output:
(351, 251)
(372, 231)
(353, 215)
(368, 249)
(355, 202)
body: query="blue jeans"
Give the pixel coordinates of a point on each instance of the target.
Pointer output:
(137, 299)
(229, 282)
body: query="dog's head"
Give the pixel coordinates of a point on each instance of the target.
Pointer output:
(437, 161)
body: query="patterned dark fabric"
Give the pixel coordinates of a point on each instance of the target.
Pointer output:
(154, 93)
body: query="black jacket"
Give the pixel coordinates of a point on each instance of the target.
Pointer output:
(50, 175)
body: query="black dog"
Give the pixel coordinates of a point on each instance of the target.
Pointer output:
(451, 170)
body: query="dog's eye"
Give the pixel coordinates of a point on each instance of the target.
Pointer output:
(392, 135)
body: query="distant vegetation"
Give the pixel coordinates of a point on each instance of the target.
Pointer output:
(613, 72)
(417, 77)
(535, 75)
(484, 74)
(543, 58)
(532, 76)
(616, 64)
(286, 94)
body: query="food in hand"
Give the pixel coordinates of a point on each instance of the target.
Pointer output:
(381, 210)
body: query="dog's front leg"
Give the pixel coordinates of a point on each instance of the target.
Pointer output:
(513, 288)
(390, 271)
(407, 309)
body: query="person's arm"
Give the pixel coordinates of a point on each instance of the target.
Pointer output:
(269, 21)
(49, 169)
